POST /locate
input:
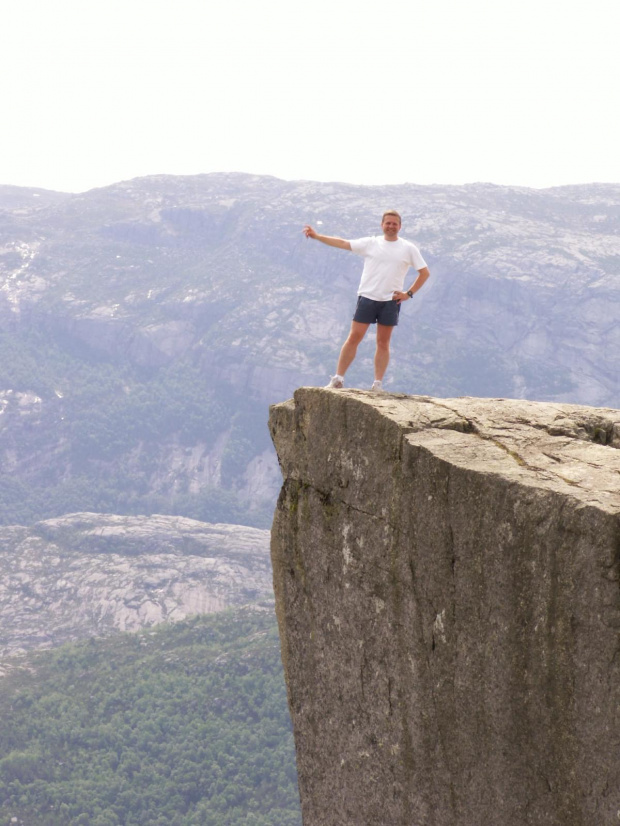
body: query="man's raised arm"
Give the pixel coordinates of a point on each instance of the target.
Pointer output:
(309, 232)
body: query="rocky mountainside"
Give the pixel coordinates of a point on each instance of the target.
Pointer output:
(145, 326)
(89, 575)
(446, 575)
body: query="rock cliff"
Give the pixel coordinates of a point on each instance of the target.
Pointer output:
(447, 589)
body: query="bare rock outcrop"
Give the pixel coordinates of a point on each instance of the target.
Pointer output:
(90, 574)
(447, 589)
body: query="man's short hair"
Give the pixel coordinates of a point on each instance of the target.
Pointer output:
(391, 212)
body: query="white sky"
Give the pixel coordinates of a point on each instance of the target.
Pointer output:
(424, 91)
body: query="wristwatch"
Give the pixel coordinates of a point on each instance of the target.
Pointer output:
(409, 293)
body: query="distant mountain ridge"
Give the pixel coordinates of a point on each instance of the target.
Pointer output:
(91, 575)
(163, 308)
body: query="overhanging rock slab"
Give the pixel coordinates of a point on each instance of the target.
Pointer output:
(447, 587)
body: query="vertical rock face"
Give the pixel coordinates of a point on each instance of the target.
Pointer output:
(447, 587)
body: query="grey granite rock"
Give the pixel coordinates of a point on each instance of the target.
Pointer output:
(447, 588)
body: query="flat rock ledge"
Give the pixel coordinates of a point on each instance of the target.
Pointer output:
(447, 575)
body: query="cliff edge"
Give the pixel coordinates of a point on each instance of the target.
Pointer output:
(446, 575)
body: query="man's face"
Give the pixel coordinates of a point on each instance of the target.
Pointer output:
(390, 226)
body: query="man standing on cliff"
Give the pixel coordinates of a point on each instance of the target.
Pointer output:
(380, 293)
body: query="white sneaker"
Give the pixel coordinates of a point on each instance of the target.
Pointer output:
(335, 382)
(377, 386)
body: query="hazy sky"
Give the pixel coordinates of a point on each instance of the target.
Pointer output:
(424, 91)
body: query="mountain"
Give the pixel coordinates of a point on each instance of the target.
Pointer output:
(90, 575)
(146, 326)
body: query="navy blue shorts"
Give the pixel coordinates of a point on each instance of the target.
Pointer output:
(369, 311)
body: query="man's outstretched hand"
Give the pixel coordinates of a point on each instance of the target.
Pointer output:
(310, 232)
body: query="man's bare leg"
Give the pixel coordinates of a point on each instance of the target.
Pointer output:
(382, 353)
(349, 348)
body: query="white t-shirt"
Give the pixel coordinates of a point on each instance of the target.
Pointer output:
(385, 265)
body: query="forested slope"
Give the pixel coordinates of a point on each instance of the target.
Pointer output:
(185, 725)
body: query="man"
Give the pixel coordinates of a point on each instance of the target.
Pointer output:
(380, 293)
